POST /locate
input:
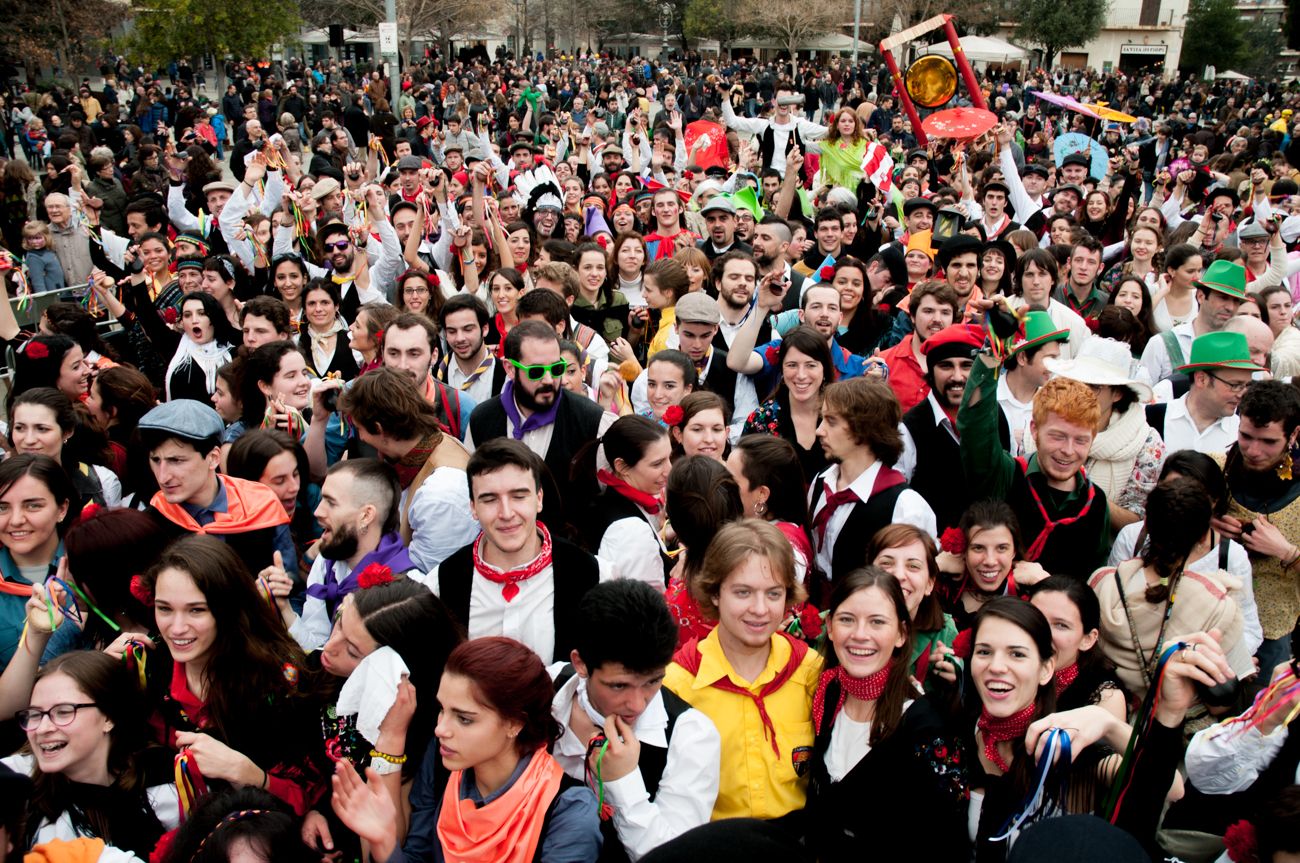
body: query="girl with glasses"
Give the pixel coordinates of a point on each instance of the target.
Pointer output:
(93, 771)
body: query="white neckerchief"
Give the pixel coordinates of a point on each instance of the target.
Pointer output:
(209, 357)
(320, 357)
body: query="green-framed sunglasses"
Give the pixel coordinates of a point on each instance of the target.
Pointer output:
(535, 373)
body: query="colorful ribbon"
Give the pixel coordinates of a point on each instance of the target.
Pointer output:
(135, 657)
(189, 782)
(1055, 758)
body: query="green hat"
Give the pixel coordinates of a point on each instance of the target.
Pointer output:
(1221, 351)
(1039, 329)
(745, 199)
(1226, 277)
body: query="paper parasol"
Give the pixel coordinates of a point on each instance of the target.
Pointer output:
(1075, 142)
(1100, 109)
(1067, 102)
(962, 123)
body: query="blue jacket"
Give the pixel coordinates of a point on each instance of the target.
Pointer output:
(13, 606)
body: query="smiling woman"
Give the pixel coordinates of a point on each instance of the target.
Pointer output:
(93, 770)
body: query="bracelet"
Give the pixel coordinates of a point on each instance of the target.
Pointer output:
(384, 768)
(266, 779)
(391, 759)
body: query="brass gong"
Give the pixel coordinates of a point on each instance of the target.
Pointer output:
(931, 81)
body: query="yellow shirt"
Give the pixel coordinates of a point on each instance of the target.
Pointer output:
(667, 325)
(755, 782)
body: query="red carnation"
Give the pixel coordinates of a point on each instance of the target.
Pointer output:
(810, 621)
(1240, 842)
(961, 645)
(37, 350)
(953, 541)
(90, 510)
(673, 415)
(169, 316)
(374, 575)
(770, 354)
(140, 590)
(827, 272)
(379, 337)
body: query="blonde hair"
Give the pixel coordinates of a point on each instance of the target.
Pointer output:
(730, 548)
(36, 228)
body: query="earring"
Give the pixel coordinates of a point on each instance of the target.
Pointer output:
(1284, 467)
(760, 507)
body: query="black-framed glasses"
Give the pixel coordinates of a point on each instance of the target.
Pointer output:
(1232, 386)
(536, 373)
(62, 715)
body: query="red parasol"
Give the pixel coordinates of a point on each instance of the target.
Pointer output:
(962, 123)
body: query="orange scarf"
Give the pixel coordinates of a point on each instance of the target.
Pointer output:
(249, 506)
(507, 830)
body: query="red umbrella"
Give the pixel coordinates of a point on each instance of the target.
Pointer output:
(714, 149)
(959, 123)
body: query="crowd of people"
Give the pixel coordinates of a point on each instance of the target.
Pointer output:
(591, 460)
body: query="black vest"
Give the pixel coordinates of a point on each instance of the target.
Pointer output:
(767, 143)
(938, 473)
(1071, 549)
(342, 361)
(603, 510)
(574, 571)
(721, 380)
(865, 519)
(576, 422)
(652, 763)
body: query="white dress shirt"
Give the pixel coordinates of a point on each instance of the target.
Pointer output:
(1180, 431)
(481, 390)
(1223, 759)
(1018, 414)
(631, 547)
(538, 439)
(910, 507)
(687, 789)
(529, 617)
(1155, 356)
(440, 518)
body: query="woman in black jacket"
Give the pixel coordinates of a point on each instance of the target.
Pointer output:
(872, 721)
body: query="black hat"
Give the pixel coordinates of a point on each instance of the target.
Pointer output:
(1008, 251)
(1082, 159)
(918, 151)
(911, 205)
(958, 244)
(1221, 191)
(995, 185)
(1076, 839)
(521, 145)
(1035, 168)
(896, 263)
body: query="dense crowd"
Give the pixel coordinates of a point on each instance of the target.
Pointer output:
(582, 459)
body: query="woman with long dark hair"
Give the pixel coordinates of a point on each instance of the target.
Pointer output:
(871, 721)
(772, 489)
(278, 461)
(275, 387)
(793, 410)
(983, 560)
(408, 619)
(506, 799)
(37, 504)
(241, 701)
(44, 422)
(1083, 674)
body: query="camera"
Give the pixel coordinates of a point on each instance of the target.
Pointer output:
(330, 399)
(259, 144)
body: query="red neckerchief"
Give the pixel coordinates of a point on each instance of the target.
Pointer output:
(191, 709)
(502, 329)
(509, 578)
(996, 730)
(688, 657)
(1065, 677)
(886, 479)
(1040, 541)
(867, 688)
(645, 500)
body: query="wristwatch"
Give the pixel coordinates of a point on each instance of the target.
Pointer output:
(384, 768)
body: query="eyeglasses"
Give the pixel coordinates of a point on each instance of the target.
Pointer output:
(62, 715)
(1233, 387)
(536, 373)
(415, 291)
(340, 246)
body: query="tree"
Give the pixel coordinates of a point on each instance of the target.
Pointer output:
(797, 22)
(437, 20)
(716, 19)
(167, 29)
(57, 33)
(1056, 25)
(1215, 36)
(1264, 42)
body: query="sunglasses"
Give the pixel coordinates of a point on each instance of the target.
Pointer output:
(536, 373)
(340, 246)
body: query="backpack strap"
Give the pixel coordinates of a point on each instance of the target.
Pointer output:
(1173, 348)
